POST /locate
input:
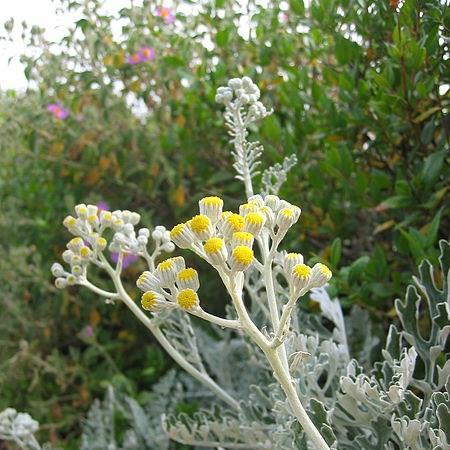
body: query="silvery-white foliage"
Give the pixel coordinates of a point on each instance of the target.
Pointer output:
(19, 428)
(273, 178)
(269, 375)
(144, 428)
(242, 109)
(354, 409)
(178, 328)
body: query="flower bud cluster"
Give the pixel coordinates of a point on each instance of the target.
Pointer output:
(170, 284)
(268, 215)
(89, 225)
(300, 276)
(244, 92)
(225, 238)
(14, 424)
(77, 256)
(126, 240)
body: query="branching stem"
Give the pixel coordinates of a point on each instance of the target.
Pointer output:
(204, 378)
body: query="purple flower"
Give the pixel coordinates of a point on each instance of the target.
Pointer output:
(165, 14)
(102, 206)
(133, 59)
(146, 54)
(128, 259)
(58, 111)
(87, 331)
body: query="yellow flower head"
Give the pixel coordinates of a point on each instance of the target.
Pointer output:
(85, 251)
(200, 223)
(187, 274)
(92, 219)
(301, 276)
(101, 243)
(254, 223)
(188, 279)
(201, 226)
(187, 299)
(211, 207)
(302, 271)
(166, 272)
(242, 238)
(241, 257)
(247, 208)
(287, 217)
(69, 222)
(182, 236)
(75, 244)
(106, 216)
(216, 251)
(290, 261)
(150, 300)
(321, 274)
(166, 265)
(213, 245)
(81, 211)
(235, 221)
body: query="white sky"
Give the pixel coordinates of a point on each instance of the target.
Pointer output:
(34, 12)
(43, 13)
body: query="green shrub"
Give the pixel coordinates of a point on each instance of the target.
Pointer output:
(361, 97)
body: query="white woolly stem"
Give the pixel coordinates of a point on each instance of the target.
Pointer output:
(98, 290)
(224, 323)
(282, 374)
(270, 290)
(285, 318)
(239, 143)
(234, 286)
(158, 334)
(286, 383)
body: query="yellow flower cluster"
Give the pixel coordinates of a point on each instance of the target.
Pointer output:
(221, 235)
(302, 277)
(225, 237)
(171, 283)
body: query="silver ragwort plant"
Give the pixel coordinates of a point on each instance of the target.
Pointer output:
(281, 380)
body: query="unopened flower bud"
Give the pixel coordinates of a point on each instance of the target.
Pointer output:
(211, 207)
(188, 279)
(57, 270)
(216, 251)
(168, 247)
(60, 283)
(147, 281)
(320, 276)
(182, 235)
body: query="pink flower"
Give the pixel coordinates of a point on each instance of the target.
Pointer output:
(58, 111)
(146, 54)
(133, 59)
(102, 206)
(87, 331)
(128, 259)
(165, 14)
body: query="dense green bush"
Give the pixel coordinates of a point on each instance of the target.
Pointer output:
(360, 95)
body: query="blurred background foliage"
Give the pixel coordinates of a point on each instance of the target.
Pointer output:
(360, 92)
